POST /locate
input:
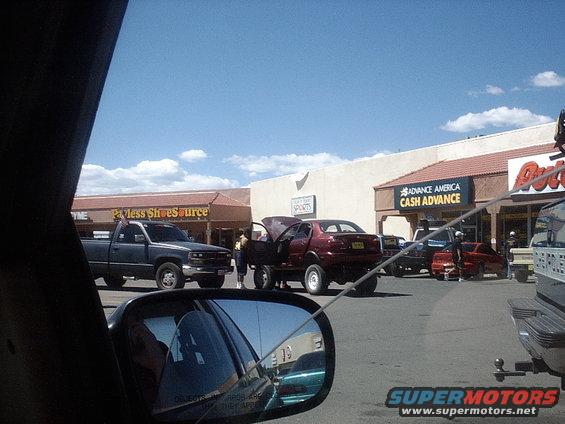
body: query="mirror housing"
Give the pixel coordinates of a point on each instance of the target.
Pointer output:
(284, 395)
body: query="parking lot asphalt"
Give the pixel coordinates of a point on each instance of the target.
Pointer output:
(413, 331)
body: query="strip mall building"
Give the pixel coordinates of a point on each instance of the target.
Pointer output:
(209, 217)
(390, 194)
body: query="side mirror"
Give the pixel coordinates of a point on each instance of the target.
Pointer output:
(222, 355)
(139, 238)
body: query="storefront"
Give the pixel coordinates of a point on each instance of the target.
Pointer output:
(206, 217)
(447, 190)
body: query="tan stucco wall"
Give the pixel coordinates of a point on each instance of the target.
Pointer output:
(346, 191)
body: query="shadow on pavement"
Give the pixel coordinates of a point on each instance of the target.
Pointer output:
(128, 289)
(334, 292)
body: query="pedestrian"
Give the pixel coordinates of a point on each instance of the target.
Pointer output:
(457, 253)
(511, 243)
(240, 256)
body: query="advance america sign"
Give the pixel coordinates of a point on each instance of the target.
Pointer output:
(432, 194)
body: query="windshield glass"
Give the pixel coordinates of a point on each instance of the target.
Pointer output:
(164, 232)
(360, 119)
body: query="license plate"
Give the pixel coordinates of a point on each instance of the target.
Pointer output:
(357, 245)
(530, 267)
(222, 271)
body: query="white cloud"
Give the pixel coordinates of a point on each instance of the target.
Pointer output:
(291, 164)
(375, 155)
(146, 176)
(193, 155)
(494, 90)
(283, 164)
(548, 79)
(498, 117)
(489, 89)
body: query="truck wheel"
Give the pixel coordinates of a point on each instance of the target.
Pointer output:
(169, 276)
(114, 282)
(315, 280)
(263, 278)
(367, 287)
(398, 271)
(521, 276)
(214, 282)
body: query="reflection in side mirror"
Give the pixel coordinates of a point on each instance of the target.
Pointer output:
(139, 238)
(196, 353)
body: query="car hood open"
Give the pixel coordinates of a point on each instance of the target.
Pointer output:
(276, 225)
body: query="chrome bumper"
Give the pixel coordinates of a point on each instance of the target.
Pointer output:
(192, 271)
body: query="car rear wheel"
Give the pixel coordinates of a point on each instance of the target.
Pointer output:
(169, 276)
(263, 278)
(521, 276)
(367, 287)
(214, 282)
(114, 282)
(315, 280)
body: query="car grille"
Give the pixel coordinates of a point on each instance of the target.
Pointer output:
(209, 258)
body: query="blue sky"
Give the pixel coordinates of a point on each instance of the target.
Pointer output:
(216, 94)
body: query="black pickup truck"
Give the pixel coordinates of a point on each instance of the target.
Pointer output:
(156, 250)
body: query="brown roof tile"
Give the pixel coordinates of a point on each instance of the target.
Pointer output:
(492, 163)
(152, 200)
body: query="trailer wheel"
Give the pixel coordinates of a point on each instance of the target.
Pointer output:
(263, 278)
(169, 276)
(521, 276)
(315, 280)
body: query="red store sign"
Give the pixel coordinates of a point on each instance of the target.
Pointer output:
(523, 170)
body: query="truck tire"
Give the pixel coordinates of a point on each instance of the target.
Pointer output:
(114, 282)
(169, 276)
(521, 275)
(398, 271)
(315, 280)
(263, 278)
(214, 282)
(367, 287)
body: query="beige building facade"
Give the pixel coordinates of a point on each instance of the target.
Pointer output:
(348, 191)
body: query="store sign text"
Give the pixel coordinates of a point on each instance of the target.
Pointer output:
(303, 205)
(523, 170)
(453, 192)
(80, 216)
(161, 213)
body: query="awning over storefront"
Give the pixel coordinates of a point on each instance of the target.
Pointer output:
(447, 187)
(199, 211)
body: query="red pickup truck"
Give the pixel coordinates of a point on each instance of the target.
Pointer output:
(314, 252)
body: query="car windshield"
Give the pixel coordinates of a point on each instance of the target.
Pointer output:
(340, 227)
(164, 232)
(359, 119)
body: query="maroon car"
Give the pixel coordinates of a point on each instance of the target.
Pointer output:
(478, 259)
(314, 252)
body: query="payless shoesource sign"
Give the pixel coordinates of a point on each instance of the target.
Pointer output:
(432, 194)
(187, 213)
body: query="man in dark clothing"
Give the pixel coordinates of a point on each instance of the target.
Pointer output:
(457, 253)
(511, 243)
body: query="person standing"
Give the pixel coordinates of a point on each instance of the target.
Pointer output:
(511, 243)
(457, 253)
(240, 256)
